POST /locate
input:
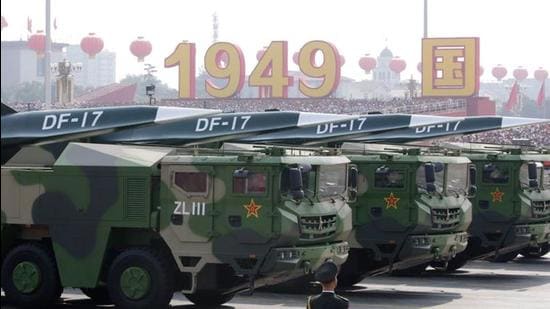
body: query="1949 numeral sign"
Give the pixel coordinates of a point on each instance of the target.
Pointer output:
(225, 60)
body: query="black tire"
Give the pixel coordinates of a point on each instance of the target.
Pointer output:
(350, 272)
(456, 263)
(99, 295)
(161, 278)
(504, 258)
(411, 271)
(209, 299)
(48, 289)
(535, 252)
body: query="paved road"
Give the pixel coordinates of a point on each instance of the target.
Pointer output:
(524, 283)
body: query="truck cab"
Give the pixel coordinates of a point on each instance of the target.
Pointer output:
(411, 209)
(511, 206)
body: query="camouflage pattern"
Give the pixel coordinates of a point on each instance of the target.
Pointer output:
(97, 199)
(403, 227)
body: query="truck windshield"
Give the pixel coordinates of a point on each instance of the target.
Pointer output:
(332, 180)
(457, 177)
(421, 182)
(308, 180)
(524, 175)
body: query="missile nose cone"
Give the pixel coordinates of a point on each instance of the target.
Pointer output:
(168, 113)
(508, 122)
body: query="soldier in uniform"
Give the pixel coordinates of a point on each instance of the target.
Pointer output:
(326, 274)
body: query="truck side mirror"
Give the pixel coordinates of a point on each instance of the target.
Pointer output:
(472, 190)
(295, 180)
(352, 182)
(429, 172)
(532, 171)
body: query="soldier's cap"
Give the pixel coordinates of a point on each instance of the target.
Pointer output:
(326, 272)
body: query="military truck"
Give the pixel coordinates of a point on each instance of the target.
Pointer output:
(130, 225)
(511, 209)
(410, 208)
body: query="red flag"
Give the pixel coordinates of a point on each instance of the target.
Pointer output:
(55, 23)
(540, 97)
(29, 24)
(513, 99)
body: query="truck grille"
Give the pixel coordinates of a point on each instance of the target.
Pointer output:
(315, 227)
(444, 218)
(540, 209)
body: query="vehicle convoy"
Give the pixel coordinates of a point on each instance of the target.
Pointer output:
(511, 209)
(130, 225)
(410, 208)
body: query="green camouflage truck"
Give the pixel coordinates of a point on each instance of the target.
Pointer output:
(411, 208)
(511, 209)
(130, 225)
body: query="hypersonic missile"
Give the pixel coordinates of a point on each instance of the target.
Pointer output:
(342, 130)
(468, 125)
(219, 127)
(53, 126)
(49, 126)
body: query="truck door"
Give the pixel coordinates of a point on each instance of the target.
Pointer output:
(244, 208)
(495, 196)
(388, 197)
(187, 198)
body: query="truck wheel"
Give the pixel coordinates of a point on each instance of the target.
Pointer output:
(350, 272)
(411, 271)
(209, 298)
(30, 277)
(100, 295)
(503, 258)
(141, 278)
(535, 252)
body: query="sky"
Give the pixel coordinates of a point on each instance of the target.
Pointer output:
(512, 33)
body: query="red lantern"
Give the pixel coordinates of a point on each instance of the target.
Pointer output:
(541, 74)
(367, 63)
(295, 57)
(499, 72)
(260, 53)
(4, 23)
(141, 48)
(520, 74)
(419, 67)
(342, 60)
(37, 42)
(397, 65)
(91, 45)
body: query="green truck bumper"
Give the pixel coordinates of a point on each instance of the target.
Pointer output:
(298, 261)
(540, 233)
(439, 247)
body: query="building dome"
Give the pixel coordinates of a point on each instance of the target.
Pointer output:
(386, 53)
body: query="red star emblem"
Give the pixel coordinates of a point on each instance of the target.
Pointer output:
(497, 195)
(391, 201)
(252, 209)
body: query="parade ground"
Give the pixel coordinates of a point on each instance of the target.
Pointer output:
(522, 283)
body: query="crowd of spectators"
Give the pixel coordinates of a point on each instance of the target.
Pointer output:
(536, 135)
(322, 105)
